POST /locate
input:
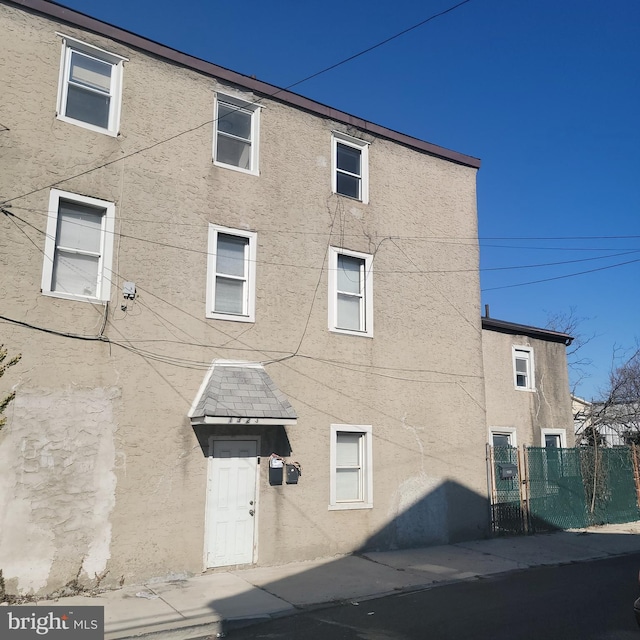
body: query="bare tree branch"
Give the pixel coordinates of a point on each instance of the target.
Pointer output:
(578, 364)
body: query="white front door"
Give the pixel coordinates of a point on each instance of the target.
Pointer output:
(231, 502)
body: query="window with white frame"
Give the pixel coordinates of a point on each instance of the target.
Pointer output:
(236, 136)
(351, 485)
(350, 292)
(90, 87)
(553, 438)
(231, 274)
(553, 441)
(78, 247)
(503, 437)
(350, 167)
(523, 368)
(504, 455)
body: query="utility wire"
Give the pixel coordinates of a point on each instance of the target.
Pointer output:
(569, 275)
(379, 44)
(272, 95)
(292, 354)
(199, 365)
(471, 239)
(555, 264)
(12, 216)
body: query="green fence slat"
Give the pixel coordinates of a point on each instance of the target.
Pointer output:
(567, 488)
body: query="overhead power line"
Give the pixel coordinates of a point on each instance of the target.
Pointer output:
(379, 44)
(13, 217)
(444, 239)
(272, 95)
(569, 275)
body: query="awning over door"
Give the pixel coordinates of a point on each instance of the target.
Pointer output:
(240, 393)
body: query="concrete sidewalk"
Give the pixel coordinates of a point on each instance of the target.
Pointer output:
(214, 603)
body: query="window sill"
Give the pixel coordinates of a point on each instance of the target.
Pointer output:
(229, 316)
(344, 506)
(344, 195)
(250, 172)
(86, 125)
(525, 389)
(350, 332)
(77, 298)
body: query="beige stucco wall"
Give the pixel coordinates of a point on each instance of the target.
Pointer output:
(100, 466)
(548, 406)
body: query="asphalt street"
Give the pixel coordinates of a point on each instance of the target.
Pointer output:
(586, 601)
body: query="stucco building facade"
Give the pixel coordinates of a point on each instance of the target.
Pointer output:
(527, 385)
(201, 270)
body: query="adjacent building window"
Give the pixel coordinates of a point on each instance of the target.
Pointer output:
(231, 274)
(553, 441)
(505, 458)
(523, 368)
(504, 437)
(78, 247)
(90, 87)
(350, 292)
(237, 126)
(351, 467)
(350, 162)
(554, 438)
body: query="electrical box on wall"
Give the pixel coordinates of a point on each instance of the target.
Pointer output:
(129, 290)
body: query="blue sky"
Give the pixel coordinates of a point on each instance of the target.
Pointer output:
(546, 93)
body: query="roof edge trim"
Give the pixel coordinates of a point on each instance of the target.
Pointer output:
(83, 21)
(522, 329)
(233, 420)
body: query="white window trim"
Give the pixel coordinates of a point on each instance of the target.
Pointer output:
(532, 380)
(249, 312)
(363, 147)
(506, 431)
(334, 252)
(103, 285)
(68, 46)
(255, 131)
(554, 432)
(367, 477)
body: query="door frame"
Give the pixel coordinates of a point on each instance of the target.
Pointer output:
(223, 438)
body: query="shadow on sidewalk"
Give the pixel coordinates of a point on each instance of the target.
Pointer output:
(412, 552)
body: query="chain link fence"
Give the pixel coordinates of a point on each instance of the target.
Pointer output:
(536, 489)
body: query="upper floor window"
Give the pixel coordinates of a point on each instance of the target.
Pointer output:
(90, 87)
(553, 438)
(231, 274)
(350, 292)
(523, 368)
(237, 127)
(78, 247)
(351, 481)
(350, 167)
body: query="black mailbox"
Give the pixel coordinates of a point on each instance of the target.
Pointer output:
(293, 473)
(508, 470)
(275, 476)
(276, 465)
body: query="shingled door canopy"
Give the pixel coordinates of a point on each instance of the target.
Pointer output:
(240, 393)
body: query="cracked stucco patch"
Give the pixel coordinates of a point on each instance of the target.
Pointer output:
(57, 486)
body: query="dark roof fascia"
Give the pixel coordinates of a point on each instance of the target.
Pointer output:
(83, 21)
(522, 329)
